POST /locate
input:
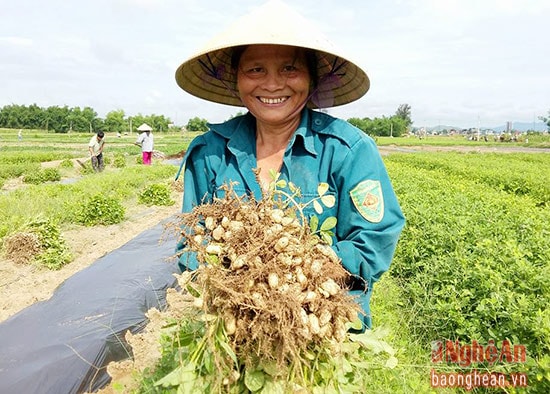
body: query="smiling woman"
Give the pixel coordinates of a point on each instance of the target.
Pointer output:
(281, 72)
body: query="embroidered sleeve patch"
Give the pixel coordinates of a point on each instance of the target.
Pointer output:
(367, 198)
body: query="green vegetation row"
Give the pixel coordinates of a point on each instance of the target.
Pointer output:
(36, 212)
(62, 202)
(23, 158)
(39, 145)
(40, 201)
(473, 260)
(523, 174)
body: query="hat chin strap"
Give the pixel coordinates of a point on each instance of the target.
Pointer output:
(323, 95)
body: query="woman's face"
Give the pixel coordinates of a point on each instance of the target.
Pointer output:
(273, 82)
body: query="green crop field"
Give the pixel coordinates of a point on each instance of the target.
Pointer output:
(473, 261)
(472, 265)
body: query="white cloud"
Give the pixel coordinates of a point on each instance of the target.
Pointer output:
(16, 41)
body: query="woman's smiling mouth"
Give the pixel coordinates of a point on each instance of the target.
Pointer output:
(278, 100)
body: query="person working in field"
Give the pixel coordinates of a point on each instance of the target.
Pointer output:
(95, 147)
(281, 68)
(146, 141)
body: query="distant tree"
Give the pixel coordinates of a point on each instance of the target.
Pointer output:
(35, 117)
(136, 121)
(361, 124)
(197, 124)
(83, 120)
(115, 122)
(64, 119)
(394, 126)
(546, 120)
(398, 126)
(10, 116)
(159, 122)
(404, 112)
(57, 119)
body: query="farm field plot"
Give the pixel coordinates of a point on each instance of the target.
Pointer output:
(472, 264)
(42, 185)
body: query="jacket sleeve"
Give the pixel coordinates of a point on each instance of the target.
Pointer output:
(366, 238)
(197, 177)
(196, 189)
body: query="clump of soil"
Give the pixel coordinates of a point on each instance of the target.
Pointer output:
(178, 155)
(177, 185)
(22, 247)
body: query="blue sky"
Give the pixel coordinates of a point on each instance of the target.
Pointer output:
(455, 62)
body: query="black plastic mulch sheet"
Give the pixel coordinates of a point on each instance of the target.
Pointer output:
(64, 344)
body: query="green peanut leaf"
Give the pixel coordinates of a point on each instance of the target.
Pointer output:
(293, 188)
(254, 380)
(314, 224)
(326, 238)
(328, 200)
(225, 346)
(318, 208)
(270, 368)
(322, 188)
(183, 373)
(391, 363)
(274, 175)
(274, 387)
(329, 223)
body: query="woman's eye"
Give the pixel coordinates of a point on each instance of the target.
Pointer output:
(289, 68)
(255, 70)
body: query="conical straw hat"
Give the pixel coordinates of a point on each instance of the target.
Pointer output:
(208, 74)
(145, 127)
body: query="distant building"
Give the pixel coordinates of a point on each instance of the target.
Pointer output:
(508, 127)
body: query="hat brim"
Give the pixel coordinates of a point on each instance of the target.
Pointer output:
(144, 127)
(208, 74)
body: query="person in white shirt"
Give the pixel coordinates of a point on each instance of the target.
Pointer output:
(145, 140)
(95, 146)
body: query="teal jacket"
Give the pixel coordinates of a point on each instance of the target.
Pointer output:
(323, 149)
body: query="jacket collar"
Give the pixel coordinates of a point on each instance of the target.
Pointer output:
(240, 131)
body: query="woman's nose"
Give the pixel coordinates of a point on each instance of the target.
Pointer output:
(274, 80)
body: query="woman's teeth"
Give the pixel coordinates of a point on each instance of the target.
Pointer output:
(272, 100)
